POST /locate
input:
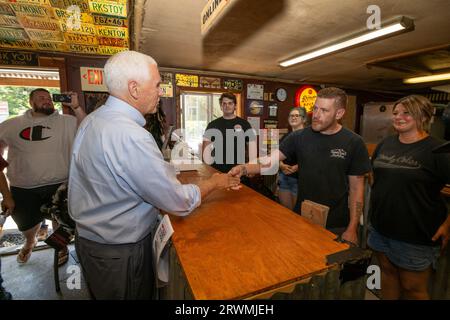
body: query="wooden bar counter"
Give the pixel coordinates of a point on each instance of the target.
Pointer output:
(241, 245)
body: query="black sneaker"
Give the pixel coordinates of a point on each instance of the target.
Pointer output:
(5, 295)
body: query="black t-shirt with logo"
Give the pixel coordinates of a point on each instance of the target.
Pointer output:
(406, 203)
(239, 134)
(325, 162)
(289, 161)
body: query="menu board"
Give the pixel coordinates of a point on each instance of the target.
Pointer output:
(98, 27)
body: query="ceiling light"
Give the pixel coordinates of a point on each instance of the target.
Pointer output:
(435, 77)
(404, 25)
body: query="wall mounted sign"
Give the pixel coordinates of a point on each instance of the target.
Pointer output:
(109, 8)
(167, 90)
(50, 46)
(13, 34)
(233, 84)
(255, 107)
(186, 80)
(16, 44)
(255, 91)
(98, 27)
(92, 79)
(270, 124)
(273, 110)
(9, 22)
(18, 58)
(80, 39)
(209, 82)
(306, 97)
(166, 77)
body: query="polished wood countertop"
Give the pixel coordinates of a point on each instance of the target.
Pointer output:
(238, 244)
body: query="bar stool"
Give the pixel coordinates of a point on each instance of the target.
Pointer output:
(57, 209)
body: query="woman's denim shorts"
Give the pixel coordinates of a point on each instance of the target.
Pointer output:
(287, 183)
(405, 255)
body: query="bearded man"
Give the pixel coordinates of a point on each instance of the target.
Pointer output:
(39, 144)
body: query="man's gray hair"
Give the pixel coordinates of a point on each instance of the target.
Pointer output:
(125, 66)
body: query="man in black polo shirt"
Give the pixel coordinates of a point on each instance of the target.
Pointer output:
(232, 137)
(332, 163)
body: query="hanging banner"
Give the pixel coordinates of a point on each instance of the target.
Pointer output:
(211, 13)
(306, 97)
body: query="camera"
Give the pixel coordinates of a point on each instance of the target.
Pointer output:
(67, 98)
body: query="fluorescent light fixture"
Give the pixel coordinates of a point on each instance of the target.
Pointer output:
(435, 77)
(403, 25)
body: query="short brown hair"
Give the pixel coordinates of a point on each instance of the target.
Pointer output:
(228, 95)
(38, 90)
(339, 95)
(420, 108)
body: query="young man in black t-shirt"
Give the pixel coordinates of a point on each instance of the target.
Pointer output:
(332, 163)
(231, 137)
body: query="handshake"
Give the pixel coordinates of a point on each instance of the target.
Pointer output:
(230, 180)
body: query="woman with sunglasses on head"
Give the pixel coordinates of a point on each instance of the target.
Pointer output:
(409, 222)
(288, 177)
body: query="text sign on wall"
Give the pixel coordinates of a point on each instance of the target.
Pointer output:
(92, 79)
(17, 58)
(186, 80)
(211, 12)
(306, 97)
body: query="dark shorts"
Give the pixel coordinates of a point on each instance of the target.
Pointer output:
(287, 183)
(27, 212)
(405, 255)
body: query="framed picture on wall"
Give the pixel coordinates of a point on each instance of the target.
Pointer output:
(255, 107)
(93, 100)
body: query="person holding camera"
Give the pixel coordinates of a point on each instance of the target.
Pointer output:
(39, 144)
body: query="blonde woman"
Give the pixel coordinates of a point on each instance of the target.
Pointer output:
(408, 216)
(288, 177)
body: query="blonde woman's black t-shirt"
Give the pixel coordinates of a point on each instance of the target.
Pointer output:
(325, 162)
(406, 203)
